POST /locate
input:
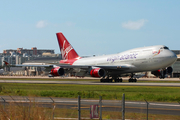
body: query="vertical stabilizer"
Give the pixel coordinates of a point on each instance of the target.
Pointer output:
(66, 49)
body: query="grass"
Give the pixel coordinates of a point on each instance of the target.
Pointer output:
(133, 93)
(36, 112)
(73, 113)
(15, 112)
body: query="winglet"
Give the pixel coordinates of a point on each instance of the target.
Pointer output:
(66, 49)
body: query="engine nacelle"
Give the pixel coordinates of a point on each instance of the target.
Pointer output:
(57, 71)
(97, 72)
(169, 70)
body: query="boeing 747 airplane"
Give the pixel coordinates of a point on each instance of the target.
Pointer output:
(157, 59)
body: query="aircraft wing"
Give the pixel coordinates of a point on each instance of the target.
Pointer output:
(106, 67)
(21, 65)
(115, 67)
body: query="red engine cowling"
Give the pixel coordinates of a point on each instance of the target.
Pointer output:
(57, 71)
(97, 72)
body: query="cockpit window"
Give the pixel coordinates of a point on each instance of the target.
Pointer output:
(164, 48)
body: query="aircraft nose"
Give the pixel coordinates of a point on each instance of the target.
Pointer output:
(173, 56)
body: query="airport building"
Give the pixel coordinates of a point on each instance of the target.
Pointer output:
(21, 56)
(30, 52)
(45, 59)
(176, 65)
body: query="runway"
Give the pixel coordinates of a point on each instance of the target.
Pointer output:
(91, 83)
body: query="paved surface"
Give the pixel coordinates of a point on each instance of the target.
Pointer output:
(91, 83)
(59, 77)
(107, 105)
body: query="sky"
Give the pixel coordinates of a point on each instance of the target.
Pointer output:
(93, 27)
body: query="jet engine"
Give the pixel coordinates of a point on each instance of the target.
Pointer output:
(169, 70)
(162, 73)
(97, 72)
(57, 71)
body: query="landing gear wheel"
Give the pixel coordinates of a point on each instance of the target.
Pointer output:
(105, 80)
(111, 79)
(132, 80)
(118, 80)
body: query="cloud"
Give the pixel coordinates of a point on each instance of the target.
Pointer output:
(70, 24)
(134, 25)
(41, 24)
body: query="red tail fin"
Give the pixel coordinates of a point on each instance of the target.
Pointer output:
(66, 49)
(6, 62)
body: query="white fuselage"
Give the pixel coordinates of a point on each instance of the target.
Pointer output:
(143, 59)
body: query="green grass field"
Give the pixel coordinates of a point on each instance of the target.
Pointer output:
(133, 93)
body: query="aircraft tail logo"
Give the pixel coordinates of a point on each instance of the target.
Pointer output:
(66, 49)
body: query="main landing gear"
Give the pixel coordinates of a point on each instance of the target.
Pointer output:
(132, 79)
(113, 79)
(110, 79)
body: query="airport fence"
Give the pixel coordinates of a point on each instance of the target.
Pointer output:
(42, 108)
